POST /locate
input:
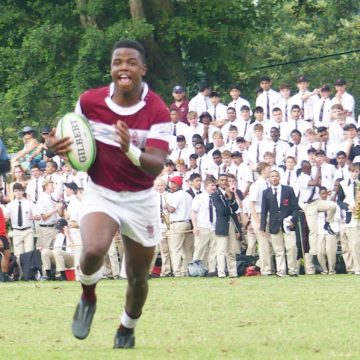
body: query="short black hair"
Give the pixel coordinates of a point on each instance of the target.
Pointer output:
(131, 44)
(194, 176)
(321, 129)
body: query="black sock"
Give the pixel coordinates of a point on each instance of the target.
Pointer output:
(6, 276)
(48, 274)
(63, 276)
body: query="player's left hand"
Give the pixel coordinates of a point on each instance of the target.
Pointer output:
(123, 134)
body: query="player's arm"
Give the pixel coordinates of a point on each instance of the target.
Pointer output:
(58, 146)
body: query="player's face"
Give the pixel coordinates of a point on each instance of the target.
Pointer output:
(127, 69)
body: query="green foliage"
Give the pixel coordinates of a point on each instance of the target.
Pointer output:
(50, 51)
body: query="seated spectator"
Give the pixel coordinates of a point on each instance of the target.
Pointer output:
(25, 156)
(61, 255)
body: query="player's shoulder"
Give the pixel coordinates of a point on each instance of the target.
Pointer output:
(94, 93)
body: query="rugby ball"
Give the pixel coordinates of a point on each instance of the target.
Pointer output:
(83, 148)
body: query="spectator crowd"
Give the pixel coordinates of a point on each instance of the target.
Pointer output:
(276, 185)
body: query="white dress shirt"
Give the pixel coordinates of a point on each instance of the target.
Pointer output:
(238, 104)
(201, 207)
(262, 100)
(199, 103)
(27, 209)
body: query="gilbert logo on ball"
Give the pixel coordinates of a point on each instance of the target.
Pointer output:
(83, 147)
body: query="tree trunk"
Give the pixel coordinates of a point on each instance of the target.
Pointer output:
(163, 56)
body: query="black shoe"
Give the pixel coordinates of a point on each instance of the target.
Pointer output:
(82, 320)
(124, 341)
(328, 228)
(293, 275)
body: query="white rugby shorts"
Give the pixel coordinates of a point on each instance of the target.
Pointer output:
(135, 212)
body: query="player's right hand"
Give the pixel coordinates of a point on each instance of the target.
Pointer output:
(58, 146)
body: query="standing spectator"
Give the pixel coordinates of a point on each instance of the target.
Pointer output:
(268, 98)
(343, 98)
(227, 227)
(52, 175)
(305, 99)
(49, 210)
(195, 185)
(180, 239)
(326, 243)
(322, 108)
(195, 128)
(21, 213)
(203, 218)
(217, 110)
(160, 186)
(201, 102)
(279, 201)
(237, 102)
(177, 128)
(72, 215)
(284, 101)
(34, 186)
(181, 103)
(255, 203)
(347, 201)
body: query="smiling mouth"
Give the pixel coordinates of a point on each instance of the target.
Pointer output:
(124, 79)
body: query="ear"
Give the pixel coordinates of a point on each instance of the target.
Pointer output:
(145, 69)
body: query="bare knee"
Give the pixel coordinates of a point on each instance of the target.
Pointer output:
(137, 282)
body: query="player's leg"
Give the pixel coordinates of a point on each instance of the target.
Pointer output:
(97, 232)
(138, 259)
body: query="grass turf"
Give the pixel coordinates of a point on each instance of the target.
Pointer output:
(309, 317)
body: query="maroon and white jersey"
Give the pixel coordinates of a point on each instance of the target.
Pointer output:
(149, 126)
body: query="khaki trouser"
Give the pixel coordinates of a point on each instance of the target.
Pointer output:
(111, 265)
(265, 250)
(345, 249)
(354, 243)
(60, 258)
(165, 253)
(205, 248)
(180, 247)
(327, 246)
(23, 241)
(285, 248)
(311, 211)
(308, 264)
(251, 242)
(47, 237)
(226, 253)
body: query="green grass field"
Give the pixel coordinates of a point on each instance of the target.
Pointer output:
(310, 317)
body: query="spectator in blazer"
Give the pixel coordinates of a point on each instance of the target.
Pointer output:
(227, 227)
(281, 203)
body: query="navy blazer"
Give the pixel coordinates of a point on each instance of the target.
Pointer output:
(288, 207)
(224, 211)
